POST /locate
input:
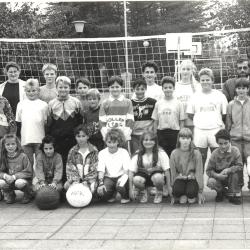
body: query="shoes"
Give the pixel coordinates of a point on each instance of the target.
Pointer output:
(158, 197)
(125, 201)
(191, 201)
(219, 197)
(183, 199)
(235, 200)
(144, 197)
(111, 200)
(152, 191)
(10, 197)
(26, 198)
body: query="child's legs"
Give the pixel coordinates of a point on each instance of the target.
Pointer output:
(135, 143)
(29, 151)
(234, 189)
(23, 185)
(215, 184)
(179, 188)
(123, 190)
(192, 189)
(158, 181)
(139, 181)
(5, 186)
(110, 185)
(167, 139)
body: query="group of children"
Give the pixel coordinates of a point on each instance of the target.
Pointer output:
(158, 139)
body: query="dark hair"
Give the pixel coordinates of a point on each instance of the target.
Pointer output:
(115, 134)
(114, 79)
(142, 149)
(167, 79)
(222, 134)
(242, 82)
(241, 60)
(80, 128)
(139, 82)
(85, 81)
(48, 139)
(12, 64)
(150, 64)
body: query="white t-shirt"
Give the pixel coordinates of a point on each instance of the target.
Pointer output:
(163, 161)
(33, 116)
(208, 109)
(154, 91)
(113, 165)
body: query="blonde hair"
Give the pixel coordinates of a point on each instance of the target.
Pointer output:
(93, 92)
(207, 72)
(64, 80)
(32, 82)
(49, 66)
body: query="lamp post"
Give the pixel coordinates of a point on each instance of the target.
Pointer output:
(79, 25)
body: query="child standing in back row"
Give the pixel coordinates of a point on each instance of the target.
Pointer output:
(169, 116)
(32, 115)
(82, 87)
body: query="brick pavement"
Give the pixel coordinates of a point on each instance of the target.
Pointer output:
(130, 226)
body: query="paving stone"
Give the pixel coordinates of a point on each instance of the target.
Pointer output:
(171, 215)
(200, 215)
(9, 236)
(81, 222)
(190, 244)
(228, 228)
(85, 244)
(195, 236)
(138, 222)
(226, 244)
(232, 221)
(14, 229)
(52, 244)
(131, 235)
(197, 228)
(108, 222)
(34, 236)
(17, 244)
(50, 222)
(115, 216)
(88, 216)
(166, 229)
(98, 236)
(43, 229)
(23, 222)
(75, 229)
(67, 236)
(163, 236)
(143, 216)
(228, 236)
(198, 221)
(104, 229)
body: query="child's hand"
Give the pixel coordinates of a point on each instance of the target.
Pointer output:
(221, 177)
(181, 177)
(225, 171)
(191, 176)
(41, 185)
(9, 179)
(53, 185)
(101, 189)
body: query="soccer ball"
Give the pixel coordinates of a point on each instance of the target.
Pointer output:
(78, 195)
(47, 198)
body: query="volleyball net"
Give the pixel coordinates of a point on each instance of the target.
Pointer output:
(100, 58)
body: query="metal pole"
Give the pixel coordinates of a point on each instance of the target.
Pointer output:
(127, 85)
(178, 58)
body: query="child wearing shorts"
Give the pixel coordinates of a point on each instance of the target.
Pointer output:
(148, 168)
(223, 169)
(169, 116)
(15, 170)
(49, 165)
(82, 161)
(143, 108)
(113, 165)
(207, 109)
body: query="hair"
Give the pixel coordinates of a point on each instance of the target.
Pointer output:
(80, 128)
(115, 134)
(114, 79)
(187, 133)
(63, 79)
(48, 139)
(32, 83)
(190, 63)
(84, 81)
(242, 82)
(11, 64)
(167, 79)
(142, 150)
(93, 93)
(139, 82)
(222, 134)
(241, 60)
(4, 153)
(207, 72)
(49, 66)
(150, 64)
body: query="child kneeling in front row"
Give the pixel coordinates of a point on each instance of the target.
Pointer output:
(49, 165)
(223, 169)
(15, 170)
(113, 164)
(148, 168)
(82, 161)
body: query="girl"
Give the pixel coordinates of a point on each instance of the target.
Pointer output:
(186, 169)
(187, 86)
(7, 119)
(114, 162)
(148, 168)
(15, 170)
(49, 165)
(82, 161)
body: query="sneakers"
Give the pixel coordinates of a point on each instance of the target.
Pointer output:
(158, 197)
(26, 198)
(183, 199)
(152, 191)
(144, 196)
(125, 201)
(219, 197)
(111, 200)
(235, 200)
(10, 197)
(191, 201)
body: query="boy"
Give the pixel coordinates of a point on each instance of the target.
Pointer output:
(116, 111)
(48, 92)
(32, 117)
(64, 115)
(91, 118)
(223, 169)
(82, 87)
(238, 120)
(207, 109)
(143, 108)
(169, 116)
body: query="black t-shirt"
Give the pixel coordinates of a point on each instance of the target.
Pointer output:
(11, 93)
